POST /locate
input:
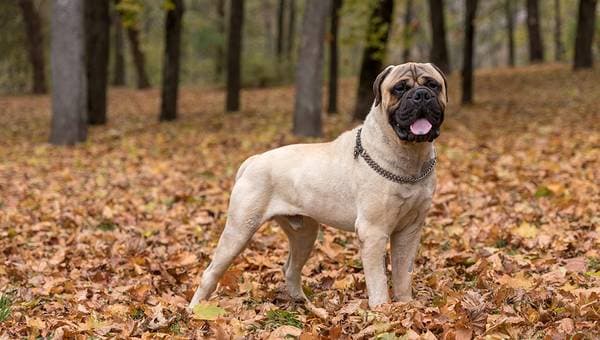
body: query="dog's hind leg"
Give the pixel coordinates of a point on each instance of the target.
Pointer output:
(301, 232)
(245, 216)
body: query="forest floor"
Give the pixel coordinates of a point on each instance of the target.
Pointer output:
(107, 239)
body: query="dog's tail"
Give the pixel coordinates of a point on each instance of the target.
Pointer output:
(243, 167)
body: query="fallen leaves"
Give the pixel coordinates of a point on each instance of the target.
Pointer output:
(205, 311)
(108, 239)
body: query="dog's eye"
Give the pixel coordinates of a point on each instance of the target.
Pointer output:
(433, 85)
(399, 89)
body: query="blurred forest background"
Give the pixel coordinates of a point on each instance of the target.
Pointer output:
(204, 38)
(258, 44)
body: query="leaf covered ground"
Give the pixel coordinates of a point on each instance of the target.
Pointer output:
(107, 239)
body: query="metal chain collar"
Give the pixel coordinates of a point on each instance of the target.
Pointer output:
(358, 150)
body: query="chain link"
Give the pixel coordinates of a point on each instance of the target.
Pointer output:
(359, 151)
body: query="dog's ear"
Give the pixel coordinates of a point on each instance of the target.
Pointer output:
(377, 83)
(443, 77)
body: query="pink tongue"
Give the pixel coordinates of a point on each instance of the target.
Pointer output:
(420, 126)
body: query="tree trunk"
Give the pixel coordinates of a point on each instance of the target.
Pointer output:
(67, 59)
(585, 34)
(467, 71)
(536, 46)
(119, 48)
(139, 60)
(291, 29)
(35, 44)
(280, 32)
(510, 30)
(559, 50)
(439, 47)
(373, 55)
(219, 48)
(269, 36)
(97, 28)
(170, 83)
(309, 70)
(234, 53)
(333, 56)
(408, 31)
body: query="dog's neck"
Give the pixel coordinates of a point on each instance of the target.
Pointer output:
(384, 146)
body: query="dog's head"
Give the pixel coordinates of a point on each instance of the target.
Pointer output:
(414, 97)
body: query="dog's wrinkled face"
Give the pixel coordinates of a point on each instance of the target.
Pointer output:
(414, 97)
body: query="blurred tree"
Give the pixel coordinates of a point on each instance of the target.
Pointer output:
(139, 60)
(510, 29)
(467, 70)
(309, 70)
(219, 49)
(280, 32)
(268, 35)
(333, 56)
(559, 49)
(97, 27)
(234, 52)
(586, 25)
(536, 46)
(170, 82)
(373, 55)
(130, 11)
(439, 47)
(35, 44)
(408, 31)
(119, 48)
(67, 56)
(291, 29)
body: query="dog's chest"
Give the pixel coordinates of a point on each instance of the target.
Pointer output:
(398, 204)
(411, 196)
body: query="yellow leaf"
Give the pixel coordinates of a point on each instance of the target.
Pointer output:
(526, 230)
(518, 281)
(205, 311)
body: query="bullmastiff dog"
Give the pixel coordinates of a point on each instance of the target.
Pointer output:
(376, 180)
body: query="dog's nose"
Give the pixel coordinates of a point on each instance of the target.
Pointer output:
(421, 96)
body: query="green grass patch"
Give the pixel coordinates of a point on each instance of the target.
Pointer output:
(5, 304)
(107, 225)
(593, 264)
(543, 191)
(278, 317)
(137, 313)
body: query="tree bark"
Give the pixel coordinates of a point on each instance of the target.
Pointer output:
(219, 48)
(67, 59)
(139, 60)
(586, 24)
(35, 44)
(467, 71)
(97, 28)
(408, 31)
(269, 35)
(280, 32)
(333, 56)
(119, 48)
(510, 31)
(559, 50)
(291, 29)
(309, 70)
(536, 46)
(170, 83)
(234, 53)
(439, 47)
(373, 56)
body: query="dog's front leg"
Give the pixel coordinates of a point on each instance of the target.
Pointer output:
(405, 243)
(373, 244)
